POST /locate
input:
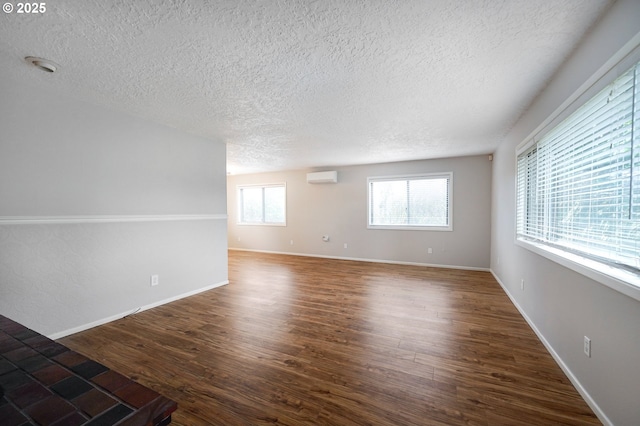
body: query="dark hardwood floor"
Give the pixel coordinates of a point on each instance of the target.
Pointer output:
(296, 340)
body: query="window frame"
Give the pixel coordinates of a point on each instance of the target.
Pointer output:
(240, 204)
(620, 279)
(419, 176)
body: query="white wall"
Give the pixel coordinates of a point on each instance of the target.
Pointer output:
(65, 160)
(562, 305)
(340, 211)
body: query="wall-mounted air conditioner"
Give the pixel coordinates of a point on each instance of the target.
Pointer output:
(323, 177)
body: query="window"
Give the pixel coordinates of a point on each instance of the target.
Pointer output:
(578, 186)
(262, 204)
(410, 202)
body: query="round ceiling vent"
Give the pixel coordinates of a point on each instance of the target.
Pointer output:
(43, 64)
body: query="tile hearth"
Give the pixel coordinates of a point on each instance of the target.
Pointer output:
(45, 383)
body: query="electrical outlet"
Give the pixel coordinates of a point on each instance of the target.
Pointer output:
(430, 250)
(587, 346)
(291, 242)
(154, 280)
(345, 245)
(522, 284)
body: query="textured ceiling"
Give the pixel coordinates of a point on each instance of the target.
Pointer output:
(291, 84)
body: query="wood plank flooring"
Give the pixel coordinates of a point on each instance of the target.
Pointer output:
(307, 341)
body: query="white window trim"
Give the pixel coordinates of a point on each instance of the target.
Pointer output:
(623, 281)
(620, 280)
(447, 175)
(258, 185)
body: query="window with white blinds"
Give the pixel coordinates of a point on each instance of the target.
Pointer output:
(262, 204)
(578, 186)
(410, 202)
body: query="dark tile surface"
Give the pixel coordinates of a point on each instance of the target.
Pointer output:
(52, 349)
(111, 380)
(6, 366)
(19, 354)
(13, 328)
(71, 387)
(11, 417)
(37, 341)
(94, 402)
(51, 375)
(28, 394)
(157, 413)
(25, 334)
(89, 369)
(70, 358)
(75, 419)
(112, 416)
(13, 380)
(44, 383)
(33, 363)
(50, 410)
(137, 395)
(8, 343)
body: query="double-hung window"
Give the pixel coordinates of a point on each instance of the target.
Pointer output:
(262, 204)
(410, 202)
(578, 186)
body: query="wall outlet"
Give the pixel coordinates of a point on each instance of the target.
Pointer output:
(345, 245)
(430, 250)
(522, 284)
(155, 280)
(291, 242)
(587, 346)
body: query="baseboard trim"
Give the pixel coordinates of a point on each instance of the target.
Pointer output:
(359, 259)
(121, 315)
(573, 379)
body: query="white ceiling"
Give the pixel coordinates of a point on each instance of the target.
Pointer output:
(292, 84)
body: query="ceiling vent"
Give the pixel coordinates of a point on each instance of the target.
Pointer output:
(322, 177)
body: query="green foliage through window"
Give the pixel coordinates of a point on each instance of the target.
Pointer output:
(410, 201)
(262, 204)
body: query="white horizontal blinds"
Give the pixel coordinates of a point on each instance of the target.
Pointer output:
(636, 147)
(526, 214)
(578, 186)
(415, 201)
(633, 227)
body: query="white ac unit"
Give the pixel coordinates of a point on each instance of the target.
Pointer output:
(322, 177)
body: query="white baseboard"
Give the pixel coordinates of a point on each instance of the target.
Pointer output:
(581, 390)
(359, 259)
(102, 321)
